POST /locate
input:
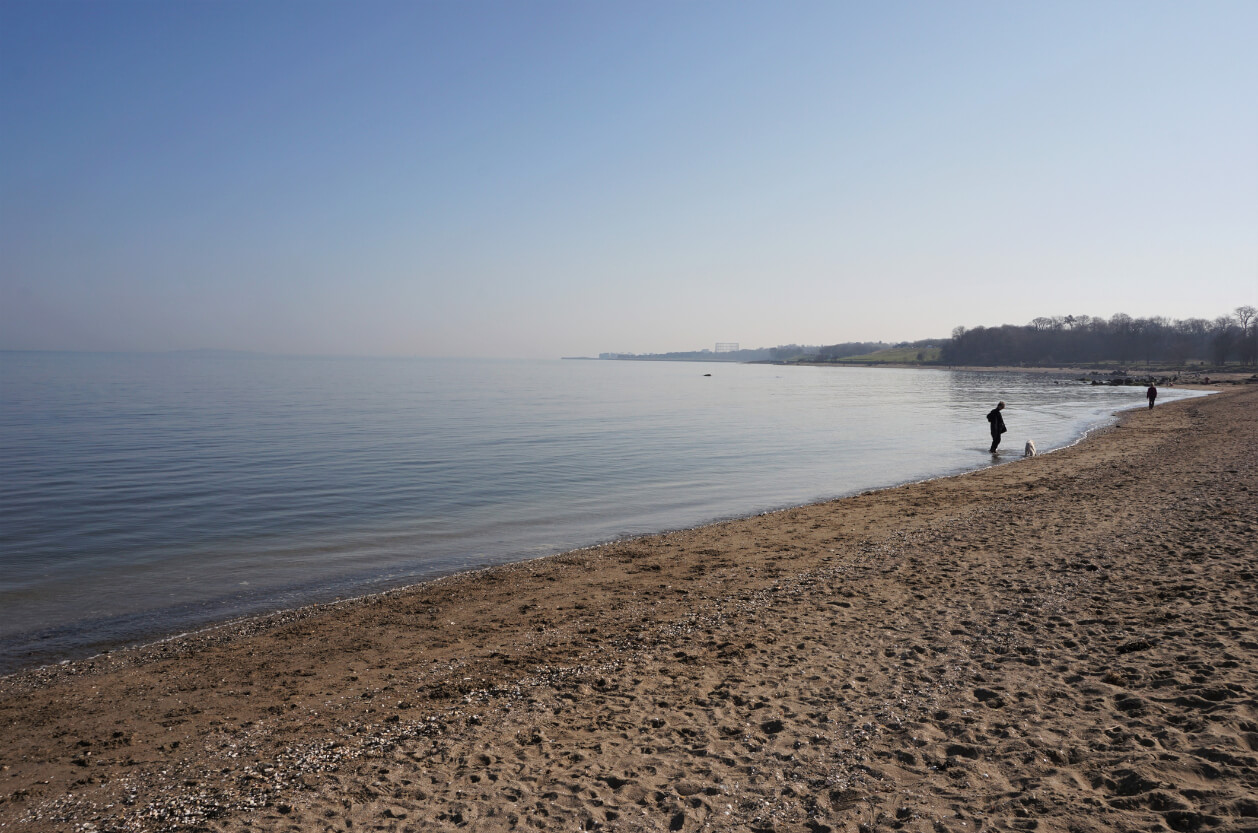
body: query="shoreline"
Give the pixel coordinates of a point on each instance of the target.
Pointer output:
(159, 636)
(1216, 377)
(986, 646)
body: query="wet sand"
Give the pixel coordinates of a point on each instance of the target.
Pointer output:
(1065, 643)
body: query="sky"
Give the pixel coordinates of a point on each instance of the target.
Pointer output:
(549, 178)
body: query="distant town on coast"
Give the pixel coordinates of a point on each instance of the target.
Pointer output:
(1044, 342)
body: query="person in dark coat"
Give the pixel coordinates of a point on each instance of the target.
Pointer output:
(998, 424)
(1152, 393)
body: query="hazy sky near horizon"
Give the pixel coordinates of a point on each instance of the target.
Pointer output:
(563, 178)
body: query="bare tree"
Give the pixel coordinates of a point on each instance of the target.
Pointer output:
(1248, 347)
(1224, 340)
(1196, 326)
(1121, 331)
(1246, 315)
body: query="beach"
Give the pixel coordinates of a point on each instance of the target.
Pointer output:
(1061, 643)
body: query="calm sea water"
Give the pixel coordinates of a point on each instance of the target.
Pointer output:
(142, 495)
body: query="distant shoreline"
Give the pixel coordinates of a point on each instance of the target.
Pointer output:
(1186, 378)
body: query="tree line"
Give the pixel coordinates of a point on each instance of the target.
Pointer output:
(1083, 339)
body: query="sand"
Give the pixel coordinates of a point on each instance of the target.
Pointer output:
(1065, 643)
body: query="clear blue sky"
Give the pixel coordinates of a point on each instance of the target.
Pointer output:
(562, 178)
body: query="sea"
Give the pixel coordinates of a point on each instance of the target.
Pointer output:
(144, 495)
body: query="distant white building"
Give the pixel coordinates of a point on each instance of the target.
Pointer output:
(727, 347)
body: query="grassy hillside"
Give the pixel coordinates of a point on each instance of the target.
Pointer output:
(896, 355)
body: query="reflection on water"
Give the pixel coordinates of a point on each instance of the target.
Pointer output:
(143, 494)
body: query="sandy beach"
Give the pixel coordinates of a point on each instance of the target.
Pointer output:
(1062, 643)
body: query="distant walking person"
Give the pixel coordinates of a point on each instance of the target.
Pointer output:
(998, 424)
(1152, 393)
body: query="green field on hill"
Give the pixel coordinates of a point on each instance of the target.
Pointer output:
(895, 355)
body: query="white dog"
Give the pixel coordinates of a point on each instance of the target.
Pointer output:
(1029, 451)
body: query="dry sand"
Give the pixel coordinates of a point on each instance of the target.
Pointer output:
(1065, 643)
